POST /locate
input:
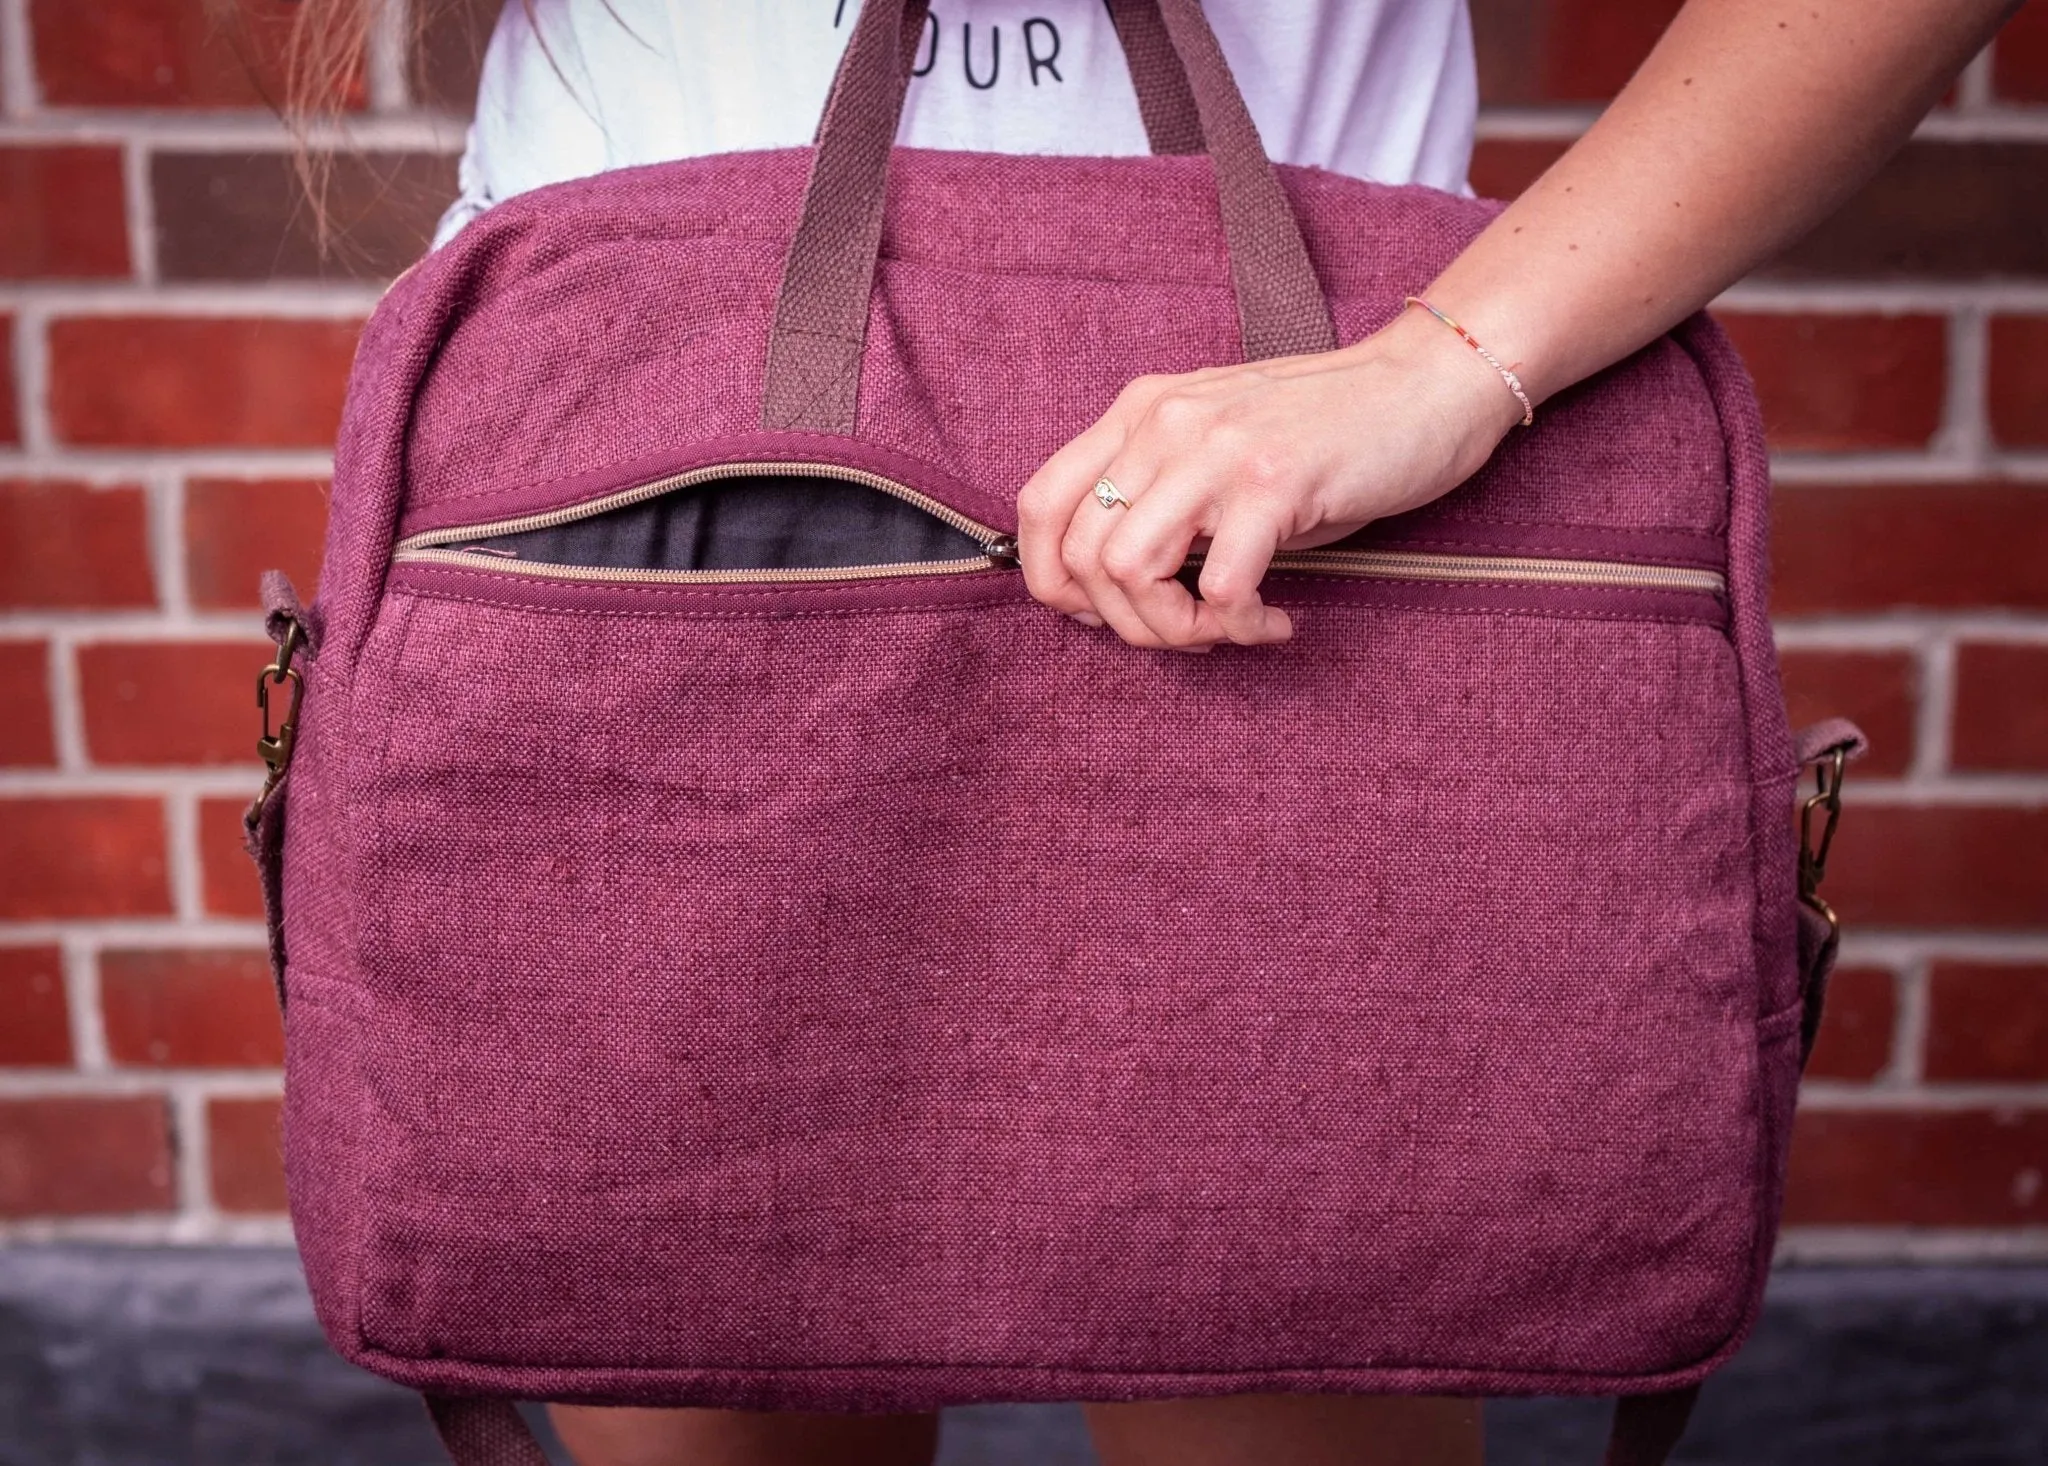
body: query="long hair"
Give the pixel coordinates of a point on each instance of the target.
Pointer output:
(319, 54)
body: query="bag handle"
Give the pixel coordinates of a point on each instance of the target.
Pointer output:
(821, 309)
(1166, 102)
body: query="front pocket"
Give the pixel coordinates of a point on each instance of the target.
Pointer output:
(798, 524)
(882, 952)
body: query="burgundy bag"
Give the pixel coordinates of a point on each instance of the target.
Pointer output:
(742, 950)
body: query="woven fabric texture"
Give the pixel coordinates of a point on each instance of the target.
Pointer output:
(905, 996)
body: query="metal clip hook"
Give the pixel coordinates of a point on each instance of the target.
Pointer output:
(274, 743)
(1826, 802)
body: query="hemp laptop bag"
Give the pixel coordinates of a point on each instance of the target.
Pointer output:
(742, 950)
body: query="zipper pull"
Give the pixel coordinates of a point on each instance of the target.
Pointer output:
(1003, 550)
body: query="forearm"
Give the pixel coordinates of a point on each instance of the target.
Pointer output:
(1748, 124)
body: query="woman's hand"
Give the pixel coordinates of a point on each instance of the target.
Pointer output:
(1246, 460)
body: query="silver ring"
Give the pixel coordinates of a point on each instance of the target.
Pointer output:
(1108, 495)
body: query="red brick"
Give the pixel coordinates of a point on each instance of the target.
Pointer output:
(1856, 1025)
(70, 546)
(63, 213)
(2018, 395)
(1941, 865)
(26, 735)
(37, 1030)
(10, 414)
(1503, 166)
(2001, 713)
(243, 216)
(189, 382)
(152, 702)
(227, 875)
(1564, 50)
(1878, 690)
(1843, 381)
(235, 529)
(1987, 1022)
(245, 1158)
(163, 53)
(1873, 547)
(2019, 59)
(78, 1155)
(191, 1008)
(1956, 210)
(76, 857)
(448, 57)
(1961, 1168)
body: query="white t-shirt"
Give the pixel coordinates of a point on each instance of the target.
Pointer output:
(1378, 89)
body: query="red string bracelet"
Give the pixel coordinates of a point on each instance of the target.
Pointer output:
(1514, 382)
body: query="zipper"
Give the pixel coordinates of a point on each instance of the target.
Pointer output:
(999, 550)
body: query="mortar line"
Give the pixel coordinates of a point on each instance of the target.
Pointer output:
(143, 931)
(1840, 1096)
(188, 1116)
(1779, 294)
(291, 299)
(123, 465)
(32, 378)
(170, 129)
(142, 626)
(1965, 431)
(127, 1081)
(1899, 949)
(88, 1017)
(141, 205)
(1910, 1031)
(385, 65)
(67, 714)
(18, 91)
(1973, 87)
(1904, 629)
(1934, 713)
(183, 871)
(198, 782)
(151, 1230)
(165, 487)
(2021, 470)
(1810, 1246)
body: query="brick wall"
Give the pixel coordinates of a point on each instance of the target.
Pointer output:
(172, 353)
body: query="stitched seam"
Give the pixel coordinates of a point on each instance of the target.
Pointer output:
(851, 611)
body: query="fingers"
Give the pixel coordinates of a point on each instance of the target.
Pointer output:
(1066, 481)
(1125, 559)
(1129, 561)
(1046, 507)
(1159, 446)
(1240, 551)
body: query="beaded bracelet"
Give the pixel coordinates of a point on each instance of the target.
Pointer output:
(1514, 382)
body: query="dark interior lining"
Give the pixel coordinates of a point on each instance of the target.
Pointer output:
(758, 522)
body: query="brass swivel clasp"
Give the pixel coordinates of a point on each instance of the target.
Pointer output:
(1818, 816)
(280, 729)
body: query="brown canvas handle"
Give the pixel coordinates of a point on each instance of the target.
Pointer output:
(1173, 124)
(821, 310)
